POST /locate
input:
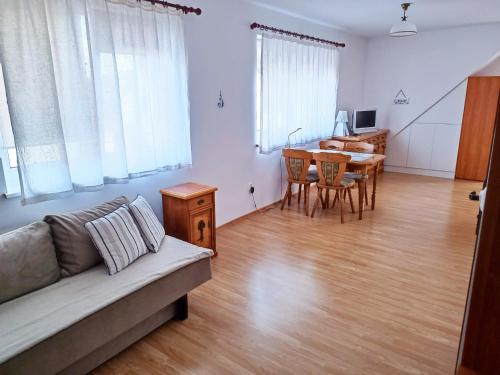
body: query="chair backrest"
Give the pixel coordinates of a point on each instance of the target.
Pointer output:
(331, 168)
(331, 145)
(363, 147)
(297, 164)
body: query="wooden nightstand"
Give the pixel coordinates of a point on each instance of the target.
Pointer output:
(189, 214)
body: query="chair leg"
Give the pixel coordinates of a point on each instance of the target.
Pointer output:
(366, 193)
(345, 195)
(327, 199)
(316, 202)
(284, 200)
(285, 197)
(306, 195)
(351, 201)
(289, 193)
(300, 192)
(341, 210)
(320, 195)
(337, 197)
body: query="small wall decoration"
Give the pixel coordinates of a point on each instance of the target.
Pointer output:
(220, 103)
(401, 98)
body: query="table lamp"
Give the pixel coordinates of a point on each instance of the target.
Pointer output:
(341, 128)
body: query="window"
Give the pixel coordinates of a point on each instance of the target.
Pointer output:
(9, 177)
(97, 94)
(296, 88)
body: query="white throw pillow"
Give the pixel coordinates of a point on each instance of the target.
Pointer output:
(117, 238)
(151, 229)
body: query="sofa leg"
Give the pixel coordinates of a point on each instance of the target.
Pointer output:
(182, 308)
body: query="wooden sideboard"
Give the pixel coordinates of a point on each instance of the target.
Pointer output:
(378, 139)
(189, 214)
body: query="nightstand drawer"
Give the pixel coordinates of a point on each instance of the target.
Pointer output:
(202, 201)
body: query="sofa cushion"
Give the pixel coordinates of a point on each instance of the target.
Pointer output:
(117, 238)
(74, 248)
(151, 229)
(27, 261)
(32, 318)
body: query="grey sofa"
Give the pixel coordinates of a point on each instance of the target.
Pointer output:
(73, 324)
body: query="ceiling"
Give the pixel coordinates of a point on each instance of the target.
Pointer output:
(373, 18)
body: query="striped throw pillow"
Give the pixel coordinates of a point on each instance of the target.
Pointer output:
(151, 229)
(117, 238)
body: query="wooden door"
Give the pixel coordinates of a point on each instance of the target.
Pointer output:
(477, 128)
(480, 345)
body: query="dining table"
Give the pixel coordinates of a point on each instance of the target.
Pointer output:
(360, 163)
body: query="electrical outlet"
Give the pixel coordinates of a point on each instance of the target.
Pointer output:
(252, 189)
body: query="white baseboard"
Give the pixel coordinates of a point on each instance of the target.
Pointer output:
(421, 172)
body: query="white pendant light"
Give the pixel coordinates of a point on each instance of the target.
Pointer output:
(404, 28)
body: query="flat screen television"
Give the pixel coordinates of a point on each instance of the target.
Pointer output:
(364, 121)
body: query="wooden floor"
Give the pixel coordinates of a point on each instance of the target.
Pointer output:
(294, 295)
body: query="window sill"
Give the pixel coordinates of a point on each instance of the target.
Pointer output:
(12, 195)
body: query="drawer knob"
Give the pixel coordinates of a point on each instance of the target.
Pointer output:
(201, 201)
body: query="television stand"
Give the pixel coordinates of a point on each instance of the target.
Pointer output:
(377, 138)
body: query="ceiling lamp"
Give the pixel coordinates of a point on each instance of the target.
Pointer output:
(404, 28)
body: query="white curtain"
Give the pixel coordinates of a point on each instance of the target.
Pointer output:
(97, 92)
(298, 90)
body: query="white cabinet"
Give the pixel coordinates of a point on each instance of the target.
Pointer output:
(425, 146)
(445, 147)
(397, 149)
(420, 146)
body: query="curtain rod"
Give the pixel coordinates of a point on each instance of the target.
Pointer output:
(256, 25)
(184, 8)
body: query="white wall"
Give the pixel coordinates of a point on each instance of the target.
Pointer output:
(426, 67)
(221, 50)
(492, 68)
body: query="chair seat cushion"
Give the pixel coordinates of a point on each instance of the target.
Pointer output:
(312, 175)
(347, 182)
(355, 176)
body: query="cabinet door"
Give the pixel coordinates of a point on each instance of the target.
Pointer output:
(201, 228)
(420, 147)
(445, 147)
(397, 149)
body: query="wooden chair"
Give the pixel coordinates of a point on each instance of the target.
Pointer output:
(297, 164)
(331, 145)
(361, 147)
(331, 169)
(364, 148)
